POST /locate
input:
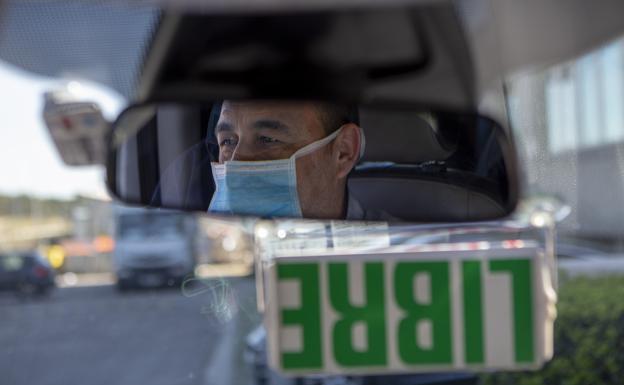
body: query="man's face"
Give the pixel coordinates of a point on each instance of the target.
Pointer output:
(255, 131)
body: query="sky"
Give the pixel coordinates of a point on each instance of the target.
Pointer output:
(29, 163)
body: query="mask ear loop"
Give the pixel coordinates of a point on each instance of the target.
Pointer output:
(322, 142)
(303, 151)
(362, 143)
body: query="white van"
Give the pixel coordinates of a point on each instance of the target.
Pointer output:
(153, 247)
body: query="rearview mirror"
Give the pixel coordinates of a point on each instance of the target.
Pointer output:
(313, 160)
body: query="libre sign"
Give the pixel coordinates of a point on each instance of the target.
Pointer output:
(409, 312)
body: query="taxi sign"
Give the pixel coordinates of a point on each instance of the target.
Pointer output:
(409, 311)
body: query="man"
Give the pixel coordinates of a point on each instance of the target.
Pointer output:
(286, 159)
(272, 159)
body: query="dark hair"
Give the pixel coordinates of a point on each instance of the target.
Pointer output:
(334, 115)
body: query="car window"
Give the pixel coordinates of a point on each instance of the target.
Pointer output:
(569, 119)
(150, 226)
(12, 262)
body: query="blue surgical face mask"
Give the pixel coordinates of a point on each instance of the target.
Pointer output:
(260, 188)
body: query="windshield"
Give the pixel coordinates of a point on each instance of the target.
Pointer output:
(110, 303)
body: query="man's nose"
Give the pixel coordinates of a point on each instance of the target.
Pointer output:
(242, 153)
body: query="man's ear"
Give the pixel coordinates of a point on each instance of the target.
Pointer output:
(347, 148)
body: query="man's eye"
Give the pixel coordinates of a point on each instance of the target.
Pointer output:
(227, 142)
(268, 140)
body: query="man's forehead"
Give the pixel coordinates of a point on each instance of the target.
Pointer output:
(277, 109)
(293, 118)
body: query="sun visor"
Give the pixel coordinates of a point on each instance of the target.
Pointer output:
(415, 54)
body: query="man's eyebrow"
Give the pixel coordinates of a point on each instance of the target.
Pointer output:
(223, 126)
(271, 124)
(260, 124)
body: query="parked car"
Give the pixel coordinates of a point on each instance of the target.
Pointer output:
(26, 273)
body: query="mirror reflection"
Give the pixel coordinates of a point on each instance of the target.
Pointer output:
(312, 159)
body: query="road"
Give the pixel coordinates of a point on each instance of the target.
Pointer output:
(97, 335)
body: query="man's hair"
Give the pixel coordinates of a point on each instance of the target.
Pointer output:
(333, 115)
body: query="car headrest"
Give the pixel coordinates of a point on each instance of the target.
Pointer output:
(406, 137)
(406, 195)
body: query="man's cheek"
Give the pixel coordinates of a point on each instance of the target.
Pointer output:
(304, 175)
(310, 167)
(309, 182)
